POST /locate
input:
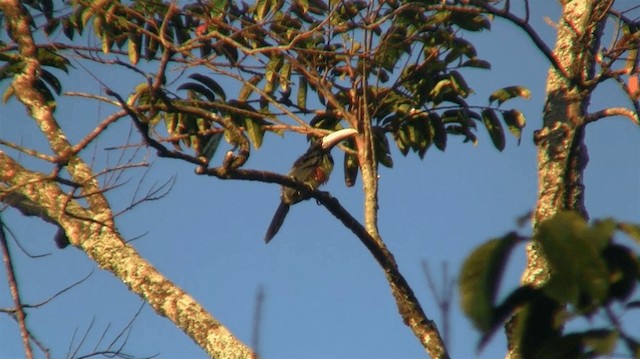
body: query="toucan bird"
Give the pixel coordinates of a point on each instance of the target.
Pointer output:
(313, 168)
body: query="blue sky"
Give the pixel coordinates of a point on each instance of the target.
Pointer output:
(325, 295)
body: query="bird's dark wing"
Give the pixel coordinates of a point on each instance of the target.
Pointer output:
(276, 222)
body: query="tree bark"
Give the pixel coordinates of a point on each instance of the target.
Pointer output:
(562, 154)
(91, 227)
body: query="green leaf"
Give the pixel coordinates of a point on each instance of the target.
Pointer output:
(392, 45)
(217, 7)
(459, 84)
(508, 93)
(271, 72)
(603, 341)
(623, 271)
(210, 146)
(255, 131)
(195, 88)
(350, 169)
(44, 90)
(537, 325)
(261, 9)
(326, 120)
(381, 148)
(53, 59)
(572, 249)
(248, 88)
(51, 80)
(211, 84)
(134, 46)
(492, 123)
(477, 63)
(470, 22)
(302, 92)
(151, 44)
(480, 277)
(439, 132)
(285, 77)
(504, 310)
(515, 122)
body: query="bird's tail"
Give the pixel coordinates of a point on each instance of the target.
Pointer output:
(277, 221)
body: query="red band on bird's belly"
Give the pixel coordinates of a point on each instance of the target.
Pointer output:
(320, 176)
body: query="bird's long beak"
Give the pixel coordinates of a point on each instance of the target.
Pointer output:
(333, 139)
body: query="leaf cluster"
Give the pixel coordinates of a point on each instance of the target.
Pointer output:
(307, 65)
(590, 275)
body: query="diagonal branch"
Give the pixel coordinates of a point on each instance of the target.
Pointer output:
(528, 29)
(108, 249)
(408, 305)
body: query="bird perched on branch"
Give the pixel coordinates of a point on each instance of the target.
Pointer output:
(312, 168)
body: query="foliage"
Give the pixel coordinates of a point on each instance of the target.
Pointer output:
(592, 276)
(306, 66)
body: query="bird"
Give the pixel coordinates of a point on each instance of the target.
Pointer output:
(312, 168)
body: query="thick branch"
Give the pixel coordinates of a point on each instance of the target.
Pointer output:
(92, 229)
(108, 249)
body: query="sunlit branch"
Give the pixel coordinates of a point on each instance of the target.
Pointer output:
(614, 111)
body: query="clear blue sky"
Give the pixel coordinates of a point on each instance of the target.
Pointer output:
(325, 295)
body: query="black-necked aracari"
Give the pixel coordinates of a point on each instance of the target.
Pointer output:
(312, 168)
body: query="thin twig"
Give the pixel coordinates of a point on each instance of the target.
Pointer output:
(15, 294)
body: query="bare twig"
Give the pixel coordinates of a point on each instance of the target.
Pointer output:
(15, 294)
(443, 296)
(257, 322)
(523, 24)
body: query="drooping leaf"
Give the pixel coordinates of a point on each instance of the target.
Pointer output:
(502, 312)
(53, 59)
(623, 269)
(51, 80)
(381, 148)
(537, 325)
(459, 84)
(350, 167)
(271, 72)
(151, 43)
(602, 341)
(302, 92)
(477, 63)
(572, 250)
(211, 84)
(44, 90)
(439, 132)
(255, 130)
(515, 122)
(248, 88)
(493, 125)
(480, 278)
(326, 120)
(135, 44)
(470, 21)
(198, 89)
(508, 93)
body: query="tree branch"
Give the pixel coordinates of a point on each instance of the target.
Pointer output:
(107, 248)
(15, 294)
(408, 305)
(614, 111)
